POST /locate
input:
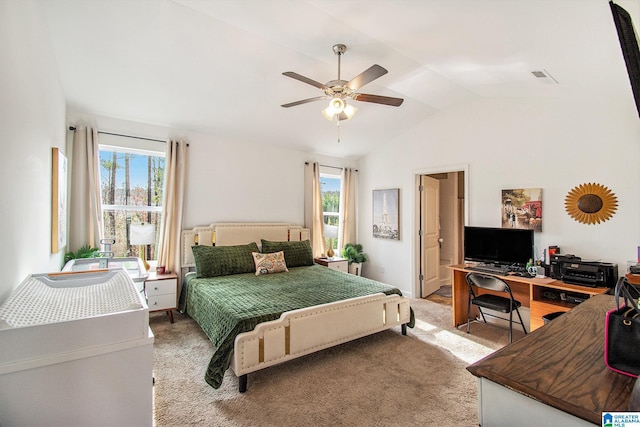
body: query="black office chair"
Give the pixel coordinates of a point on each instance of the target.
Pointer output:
(492, 301)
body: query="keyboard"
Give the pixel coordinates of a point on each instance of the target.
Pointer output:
(503, 270)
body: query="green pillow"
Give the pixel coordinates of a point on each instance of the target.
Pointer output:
(212, 261)
(296, 254)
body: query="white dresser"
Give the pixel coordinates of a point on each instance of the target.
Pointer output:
(76, 350)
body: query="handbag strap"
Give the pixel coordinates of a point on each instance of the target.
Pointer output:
(623, 289)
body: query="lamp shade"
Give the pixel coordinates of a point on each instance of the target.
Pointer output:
(142, 234)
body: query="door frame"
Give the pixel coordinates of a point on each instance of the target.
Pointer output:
(415, 241)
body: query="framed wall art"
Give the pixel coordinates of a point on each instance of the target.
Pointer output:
(386, 207)
(58, 200)
(522, 208)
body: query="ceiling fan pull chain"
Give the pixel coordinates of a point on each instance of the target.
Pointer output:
(338, 126)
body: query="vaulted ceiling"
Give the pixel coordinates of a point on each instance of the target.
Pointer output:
(215, 66)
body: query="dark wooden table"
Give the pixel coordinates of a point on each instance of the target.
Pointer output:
(562, 364)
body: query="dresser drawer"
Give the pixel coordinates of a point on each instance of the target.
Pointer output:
(160, 287)
(161, 302)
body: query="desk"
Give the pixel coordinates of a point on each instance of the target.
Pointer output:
(555, 375)
(530, 291)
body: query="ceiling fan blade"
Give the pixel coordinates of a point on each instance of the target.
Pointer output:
(386, 100)
(367, 76)
(304, 101)
(305, 80)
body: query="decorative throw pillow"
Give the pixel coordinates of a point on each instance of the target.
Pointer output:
(212, 261)
(269, 263)
(296, 254)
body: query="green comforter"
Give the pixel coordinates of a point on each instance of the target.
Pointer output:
(226, 306)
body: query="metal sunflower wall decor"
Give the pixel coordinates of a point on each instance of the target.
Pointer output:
(591, 203)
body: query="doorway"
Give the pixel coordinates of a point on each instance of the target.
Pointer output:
(441, 212)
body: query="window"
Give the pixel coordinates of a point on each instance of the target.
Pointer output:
(330, 190)
(132, 189)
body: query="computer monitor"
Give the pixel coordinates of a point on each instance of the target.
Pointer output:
(498, 246)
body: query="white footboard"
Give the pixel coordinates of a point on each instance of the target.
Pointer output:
(300, 332)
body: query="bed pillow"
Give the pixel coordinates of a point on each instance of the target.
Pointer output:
(212, 261)
(296, 254)
(269, 263)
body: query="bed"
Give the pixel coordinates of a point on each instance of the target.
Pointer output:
(295, 307)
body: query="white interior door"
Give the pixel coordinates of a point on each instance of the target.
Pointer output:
(430, 227)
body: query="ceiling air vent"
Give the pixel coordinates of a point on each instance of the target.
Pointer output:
(544, 76)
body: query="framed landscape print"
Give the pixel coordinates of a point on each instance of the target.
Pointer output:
(58, 200)
(386, 206)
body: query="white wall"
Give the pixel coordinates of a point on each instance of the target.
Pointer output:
(230, 181)
(555, 144)
(32, 120)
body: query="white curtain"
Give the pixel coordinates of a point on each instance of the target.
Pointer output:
(348, 213)
(313, 219)
(171, 222)
(85, 212)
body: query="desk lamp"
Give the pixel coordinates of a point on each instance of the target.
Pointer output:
(142, 234)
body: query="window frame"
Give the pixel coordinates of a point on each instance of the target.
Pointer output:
(131, 145)
(326, 172)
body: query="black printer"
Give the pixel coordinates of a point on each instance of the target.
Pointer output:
(556, 261)
(593, 274)
(571, 269)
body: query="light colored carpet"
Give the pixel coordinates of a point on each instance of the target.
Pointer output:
(381, 380)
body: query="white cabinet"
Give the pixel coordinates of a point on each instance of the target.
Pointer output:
(162, 292)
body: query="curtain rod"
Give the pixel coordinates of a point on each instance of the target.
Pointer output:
(327, 166)
(126, 136)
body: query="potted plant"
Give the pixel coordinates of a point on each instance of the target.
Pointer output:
(355, 256)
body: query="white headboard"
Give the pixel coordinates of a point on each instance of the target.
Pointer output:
(238, 233)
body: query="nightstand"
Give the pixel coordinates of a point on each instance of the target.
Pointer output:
(335, 263)
(161, 291)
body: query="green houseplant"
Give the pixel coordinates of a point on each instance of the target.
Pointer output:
(354, 255)
(85, 251)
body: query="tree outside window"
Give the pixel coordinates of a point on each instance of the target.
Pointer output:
(132, 192)
(330, 191)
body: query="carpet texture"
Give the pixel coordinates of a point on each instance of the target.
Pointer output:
(382, 380)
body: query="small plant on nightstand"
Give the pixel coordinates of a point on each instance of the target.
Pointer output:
(353, 253)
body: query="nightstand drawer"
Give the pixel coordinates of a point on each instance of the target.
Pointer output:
(161, 302)
(160, 287)
(335, 263)
(340, 265)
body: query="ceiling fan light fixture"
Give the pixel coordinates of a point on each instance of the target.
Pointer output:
(349, 110)
(328, 114)
(339, 90)
(338, 106)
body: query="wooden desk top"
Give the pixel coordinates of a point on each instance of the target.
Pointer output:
(562, 364)
(511, 277)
